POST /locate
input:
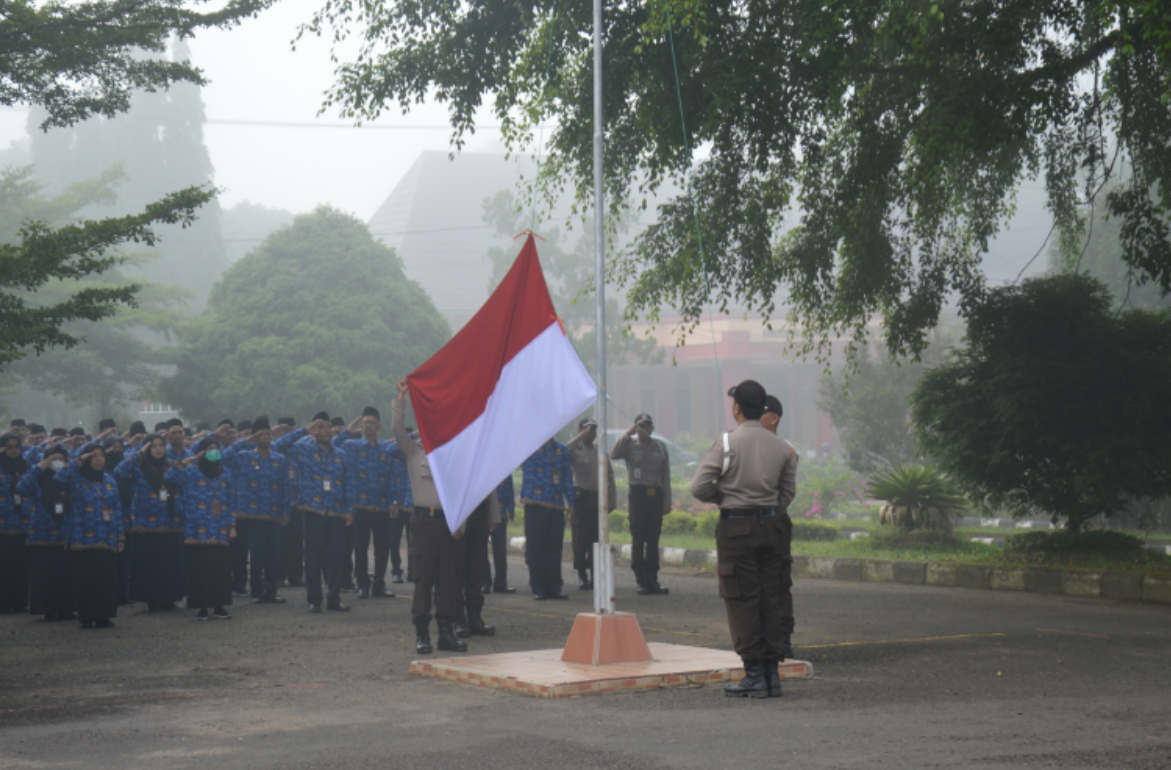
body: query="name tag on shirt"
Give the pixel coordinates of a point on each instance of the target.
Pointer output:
(163, 495)
(106, 515)
(556, 478)
(60, 508)
(326, 485)
(292, 474)
(16, 499)
(638, 473)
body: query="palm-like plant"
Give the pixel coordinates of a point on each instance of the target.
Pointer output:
(917, 497)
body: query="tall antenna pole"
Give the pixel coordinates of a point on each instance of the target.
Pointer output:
(603, 556)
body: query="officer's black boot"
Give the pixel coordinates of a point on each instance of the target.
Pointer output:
(447, 640)
(653, 586)
(477, 624)
(461, 623)
(584, 576)
(423, 636)
(788, 646)
(753, 685)
(641, 576)
(772, 678)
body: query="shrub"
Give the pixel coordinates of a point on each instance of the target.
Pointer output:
(814, 530)
(678, 523)
(897, 538)
(705, 523)
(1062, 542)
(619, 521)
(917, 497)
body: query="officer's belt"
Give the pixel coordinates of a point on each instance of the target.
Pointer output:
(748, 513)
(422, 511)
(647, 490)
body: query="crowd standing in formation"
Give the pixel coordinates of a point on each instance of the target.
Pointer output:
(89, 524)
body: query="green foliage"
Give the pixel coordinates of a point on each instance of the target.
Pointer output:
(917, 497)
(705, 523)
(894, 133)
(870, 406)
(246, 225)
(899, 538)
(619, 521)
(822, 490)
(679, 523)
(320, 316)
(815, 530)
(1057, 404)
(82, 59)
(1062, 542)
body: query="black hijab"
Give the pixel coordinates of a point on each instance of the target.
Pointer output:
(209, 469)
(87, 469)
(15, 467)
(53, 491)
(114, 456)
(153, 470)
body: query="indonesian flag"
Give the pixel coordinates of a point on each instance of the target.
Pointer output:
(505, 384)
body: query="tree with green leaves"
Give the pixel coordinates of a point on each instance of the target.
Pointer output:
(319, 316)
(570, 273)
(859, 154)
(76, 61)
(1055, 404)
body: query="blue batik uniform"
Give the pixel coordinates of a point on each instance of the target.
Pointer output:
(261, 483)
(175, 457)
(546, 491)
(369, 469)
(13, 516)
(400, 478)
(548, 477)
(315, 467)
(43, 528)
(149, 512)
(206, 505)
(95, 515)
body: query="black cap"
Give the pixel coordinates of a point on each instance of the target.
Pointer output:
(290, 421)
(749, 393)
(137, 428)
(57, 449)
(225, 421)
(205, 442)
(106, 424)
(245, 425)
(586, 422)
(772, 405)
(337, 422)
(77, 432)
(371, 412)
(111, 441)
(644, 417)
(259, 424)
(58, 432)
(160, 426)
(35, 428)
(174, 422)
(17, 423)
(187, 432)
(321, 416)
(203, 426)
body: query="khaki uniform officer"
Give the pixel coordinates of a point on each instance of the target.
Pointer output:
(773, 411)
(432, 549)
(583, 454)
(743, 472)
(649, 468)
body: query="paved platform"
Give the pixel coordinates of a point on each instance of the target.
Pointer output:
(542, 672)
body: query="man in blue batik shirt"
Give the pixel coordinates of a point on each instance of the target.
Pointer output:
(370, 468)
(402, 503)
(546, 494)
(323, 499)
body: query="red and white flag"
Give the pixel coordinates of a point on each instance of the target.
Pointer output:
(496, 392)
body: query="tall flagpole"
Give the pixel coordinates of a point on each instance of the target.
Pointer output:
(603, 555)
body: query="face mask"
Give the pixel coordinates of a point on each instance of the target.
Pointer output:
(57, 465)
(212, 455)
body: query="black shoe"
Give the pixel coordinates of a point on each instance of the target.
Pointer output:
(486, 589)
(315, 606)
(397, 579)
(87, 624)
(423, 636)
(584, 582)
(540, 597)
(640, 577)
(380, 592)
(461, 629)
(653, 586)
(363, 593)
(65, 616)
(202, 614)
(753, 685)
(477, 625)
(447, 640)
(103, 623)
(337, 606)
(348, 587)
(240, 594)
(503, 590)
(221, 614)
(556, 595)
(788, 646)
(772, 679)
(295, 584)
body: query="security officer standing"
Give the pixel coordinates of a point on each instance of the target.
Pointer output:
(648, 467)
(432, 548)
(583, 454)
(745, 472)
(471, 559)
(771, 419)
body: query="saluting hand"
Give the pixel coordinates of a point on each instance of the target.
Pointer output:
(355, 424)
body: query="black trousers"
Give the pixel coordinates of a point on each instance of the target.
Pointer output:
(544, 539)
(240, 556)
(264, 551)
(209, 575)
(293, 548)
(348, 560)
(124, 569)
(399, 526)
(13, 574)
(371, 524)
(95, 584)
(433, 559)
(499, 538)
(646, 525)
(50, 570)
(471, 560)
(754, 584)
(325, 548)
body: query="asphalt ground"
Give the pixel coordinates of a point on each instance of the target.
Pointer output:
(906, 677)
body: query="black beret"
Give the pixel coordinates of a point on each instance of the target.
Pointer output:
(107, 423)
(259, 424)
(17, 423)
(225, 421)
(290, 421)
(77, 432)
(57, 449)
(371, 412)
(174, 422)
(58, 432)
(137, 427)
(321, 416)
(337, 421)
(772, 405)
(749, 393)
(246, 425)
(161, 426)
